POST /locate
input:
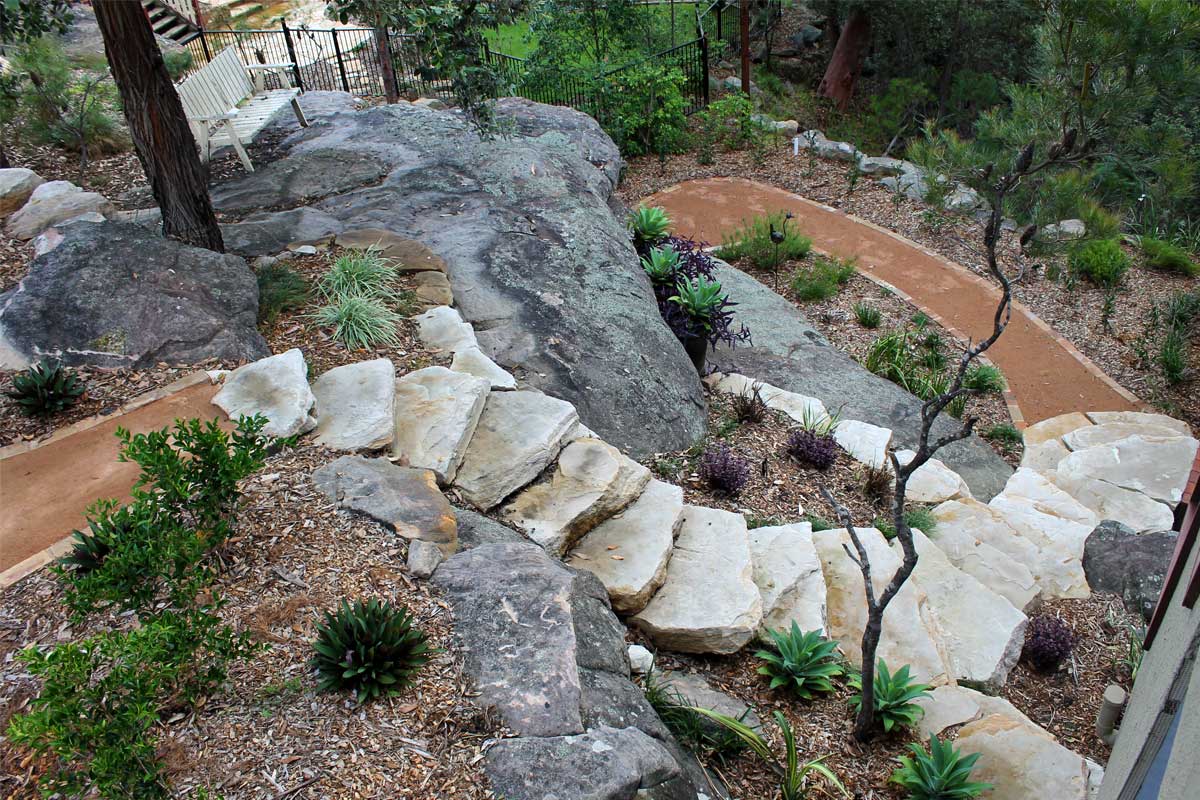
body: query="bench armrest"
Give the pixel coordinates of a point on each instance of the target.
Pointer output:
(214, 117)
(271, 66)
(284, 71)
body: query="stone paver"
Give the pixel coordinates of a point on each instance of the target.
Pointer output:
(788, 574)
(436, 412)
(1158, 468)
(356, 405)
(473, 361)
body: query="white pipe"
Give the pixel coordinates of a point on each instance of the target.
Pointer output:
(1110, 711)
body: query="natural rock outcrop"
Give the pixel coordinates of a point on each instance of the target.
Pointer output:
(709, 603)
(356, 405)
(591, 482)
(16, 185)
(51, 203)
(788, 575)
(436, 412)
(518, 435)
(629, 552)
(275, 387)
(1116, 559)
(538, 262)
(115, 294)
(406, 500)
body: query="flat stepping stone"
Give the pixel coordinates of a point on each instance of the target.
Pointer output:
(1158, 468)
(518, 435)
(933, 482)
(356, 405)
(1140, 418)
(592, 481)
(1023, 760)
(405, 499)
(1111, 432)
(709, 603)
(435, 414)
(788, 575)
(1054, 428)
(906, 639)
(796, 406)
(995, 569)
(1046, 497)
(276, 387)
(630, 551)
(472, 361)
(866, 443)
(980, 631)
(947, 706)
(1108, 501)
(1044, 456)
(407, 255)
(442, 328)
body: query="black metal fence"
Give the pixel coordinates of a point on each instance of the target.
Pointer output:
(719, 20)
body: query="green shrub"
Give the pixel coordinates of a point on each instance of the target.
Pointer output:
(1005, 433)
(894, 695)
(648, 225)
(686, 724)
(752, 241)
(730, 121)
(822, 280)
(917, 517)
(1172, 357)
(360, 322)
(940, 773)
(46, 388)
(1166, 256)
(984, 378)
(280, 288)
(371, 648)
(1101, 261)
(644, 110)
(801, 662)
(867, 315)
(819, 523)
(177, 62)
(360, 272)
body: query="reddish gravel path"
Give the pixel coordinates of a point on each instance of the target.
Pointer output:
(1046, 375)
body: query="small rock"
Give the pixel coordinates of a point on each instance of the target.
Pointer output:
(262, 262)
(303, 249)
(933, 482)
(407, 255)
(442, 328)
(641, 660)
(1063, 231)
(879, 165)
(431, 103)
(16, 185)
(276, 387)
(826, 148)
(436, 412)
(423, 558)
(356, 405)
(433, 289)
(51, 203)
(472, 361)
(788, 575)
(1118, 560)
(866, 443)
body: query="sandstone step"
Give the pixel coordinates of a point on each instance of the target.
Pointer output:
(1139, 418)
(1022, 760)
(518, 435)
(933, 482)
(1110, 432)
(472, 361)
(906, 638)
(356, 405)
(592, 481)
(708, 603)
(435, 416)
(1109, 501)
(443, 328)
(866, 443)
(629, 552)
(992, 567)
(276, 387)
(947, 706)
(788, 575)
(1158, 468)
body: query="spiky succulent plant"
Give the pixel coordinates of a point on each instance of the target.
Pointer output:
(369, 647)
(801, 662)
(46, 388)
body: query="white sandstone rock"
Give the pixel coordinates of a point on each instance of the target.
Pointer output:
(709, 603)
(1108, 501)
(947, 706)
(51, 203)
(1063, 230)
(436, 411)
(472, 361)
(1047, 498)
(356, 405)
(1111, 432)
(16, 185)
(592, 481)
(641, 660)
(1140, 418)
(799, 407)
(827, 148)
(994, 568)
(788, 574)
(442, 328)
(1023, 761)
(867, 443)
(629, 552)
(518, 435)
(933, 482)
(276, 387)
(1054, 428)
(1044, 456)
(1158, 468)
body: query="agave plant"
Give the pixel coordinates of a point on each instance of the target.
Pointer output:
(699, 298)
(802, 662)
(649, 224)
(894, 695)
(661, 265)
(369, 647)
(942, 773)
(46, 388)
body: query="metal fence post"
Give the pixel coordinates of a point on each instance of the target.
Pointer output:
(291, 48)
(337, 50)
(204, 46)
(720, 9)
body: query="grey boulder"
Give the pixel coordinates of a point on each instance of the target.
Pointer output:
(51, 203)
(1117, 560)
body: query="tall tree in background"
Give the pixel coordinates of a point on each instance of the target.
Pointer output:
(157, 124)
(846, 62)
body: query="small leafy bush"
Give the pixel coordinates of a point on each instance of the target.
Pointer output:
(1048, 643)
(723, 470)
(894, 696)
(46, 388)
(177, 62)
(1102, 261)
(822, 280)
(648, 226)
(730, 121)
(364, 273)
(280, 288)
(1166, 256)
(984, 378)
(867, 315)
(748, 404)
(369, 647)
(819, 523)
(360, 322)
(809, 447)
(939, 773)
(753, 241)
(645, 112)
(686, 724)
(1004, 433)
(801, 662)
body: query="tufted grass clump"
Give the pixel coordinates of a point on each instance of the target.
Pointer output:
(804, 663)
(1169, 257)
(360, 272)
(822, 280)
(766, 242)
(748, 404)
(688, 726)
(1102, 261)
(984, 378)
(280, 288)
(1005, 433)
(360, 322)
(46, 388)
(918, 517)
(370, 648)
(867, 315)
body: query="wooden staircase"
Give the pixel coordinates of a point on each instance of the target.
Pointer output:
(173, 19)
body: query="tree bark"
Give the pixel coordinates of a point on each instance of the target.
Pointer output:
(157, 125)
(846, 62)
(386, 65)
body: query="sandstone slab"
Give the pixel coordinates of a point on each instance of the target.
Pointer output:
(799, 407)
(276, 387)
(518, 435)
(591, 482)
(1054, 428)
(933, 482)
(1110, 432)
(405, 499)
(994, 568)
(16, 185)
(433, 289)
(472, 361)
(1140, 418)
(630, 551)
(788, 575)
(356, 405)
(947, 706)
(1023, 761)
(1045, 456)
(866, 443)
(435, 414)
(708, 603)
(406, 255)
(1108, 501)
(1158, 468)
(51, 203)
(442, 328)
(906, 637)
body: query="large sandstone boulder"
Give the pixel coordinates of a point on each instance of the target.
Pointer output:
(1156, 467)
(1023, 761)
(933, 482)
(435, 417)
(115, 294)
(947, 706)
(16, 185)
(356, 405)
(275, 387)
(538, 262)
(788, 575)
(994, 568)
(1117, 559)
(51, 203)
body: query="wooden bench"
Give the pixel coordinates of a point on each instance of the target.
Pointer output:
(213, 102)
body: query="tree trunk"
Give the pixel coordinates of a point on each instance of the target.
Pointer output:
(157, 125)
(386, 65)
(846, 61)
(951, 60)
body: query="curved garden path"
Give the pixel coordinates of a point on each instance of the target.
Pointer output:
(1046, 375)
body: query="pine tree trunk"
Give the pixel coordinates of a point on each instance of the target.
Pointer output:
(846, 61)
(157, 125)
(387, 67)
